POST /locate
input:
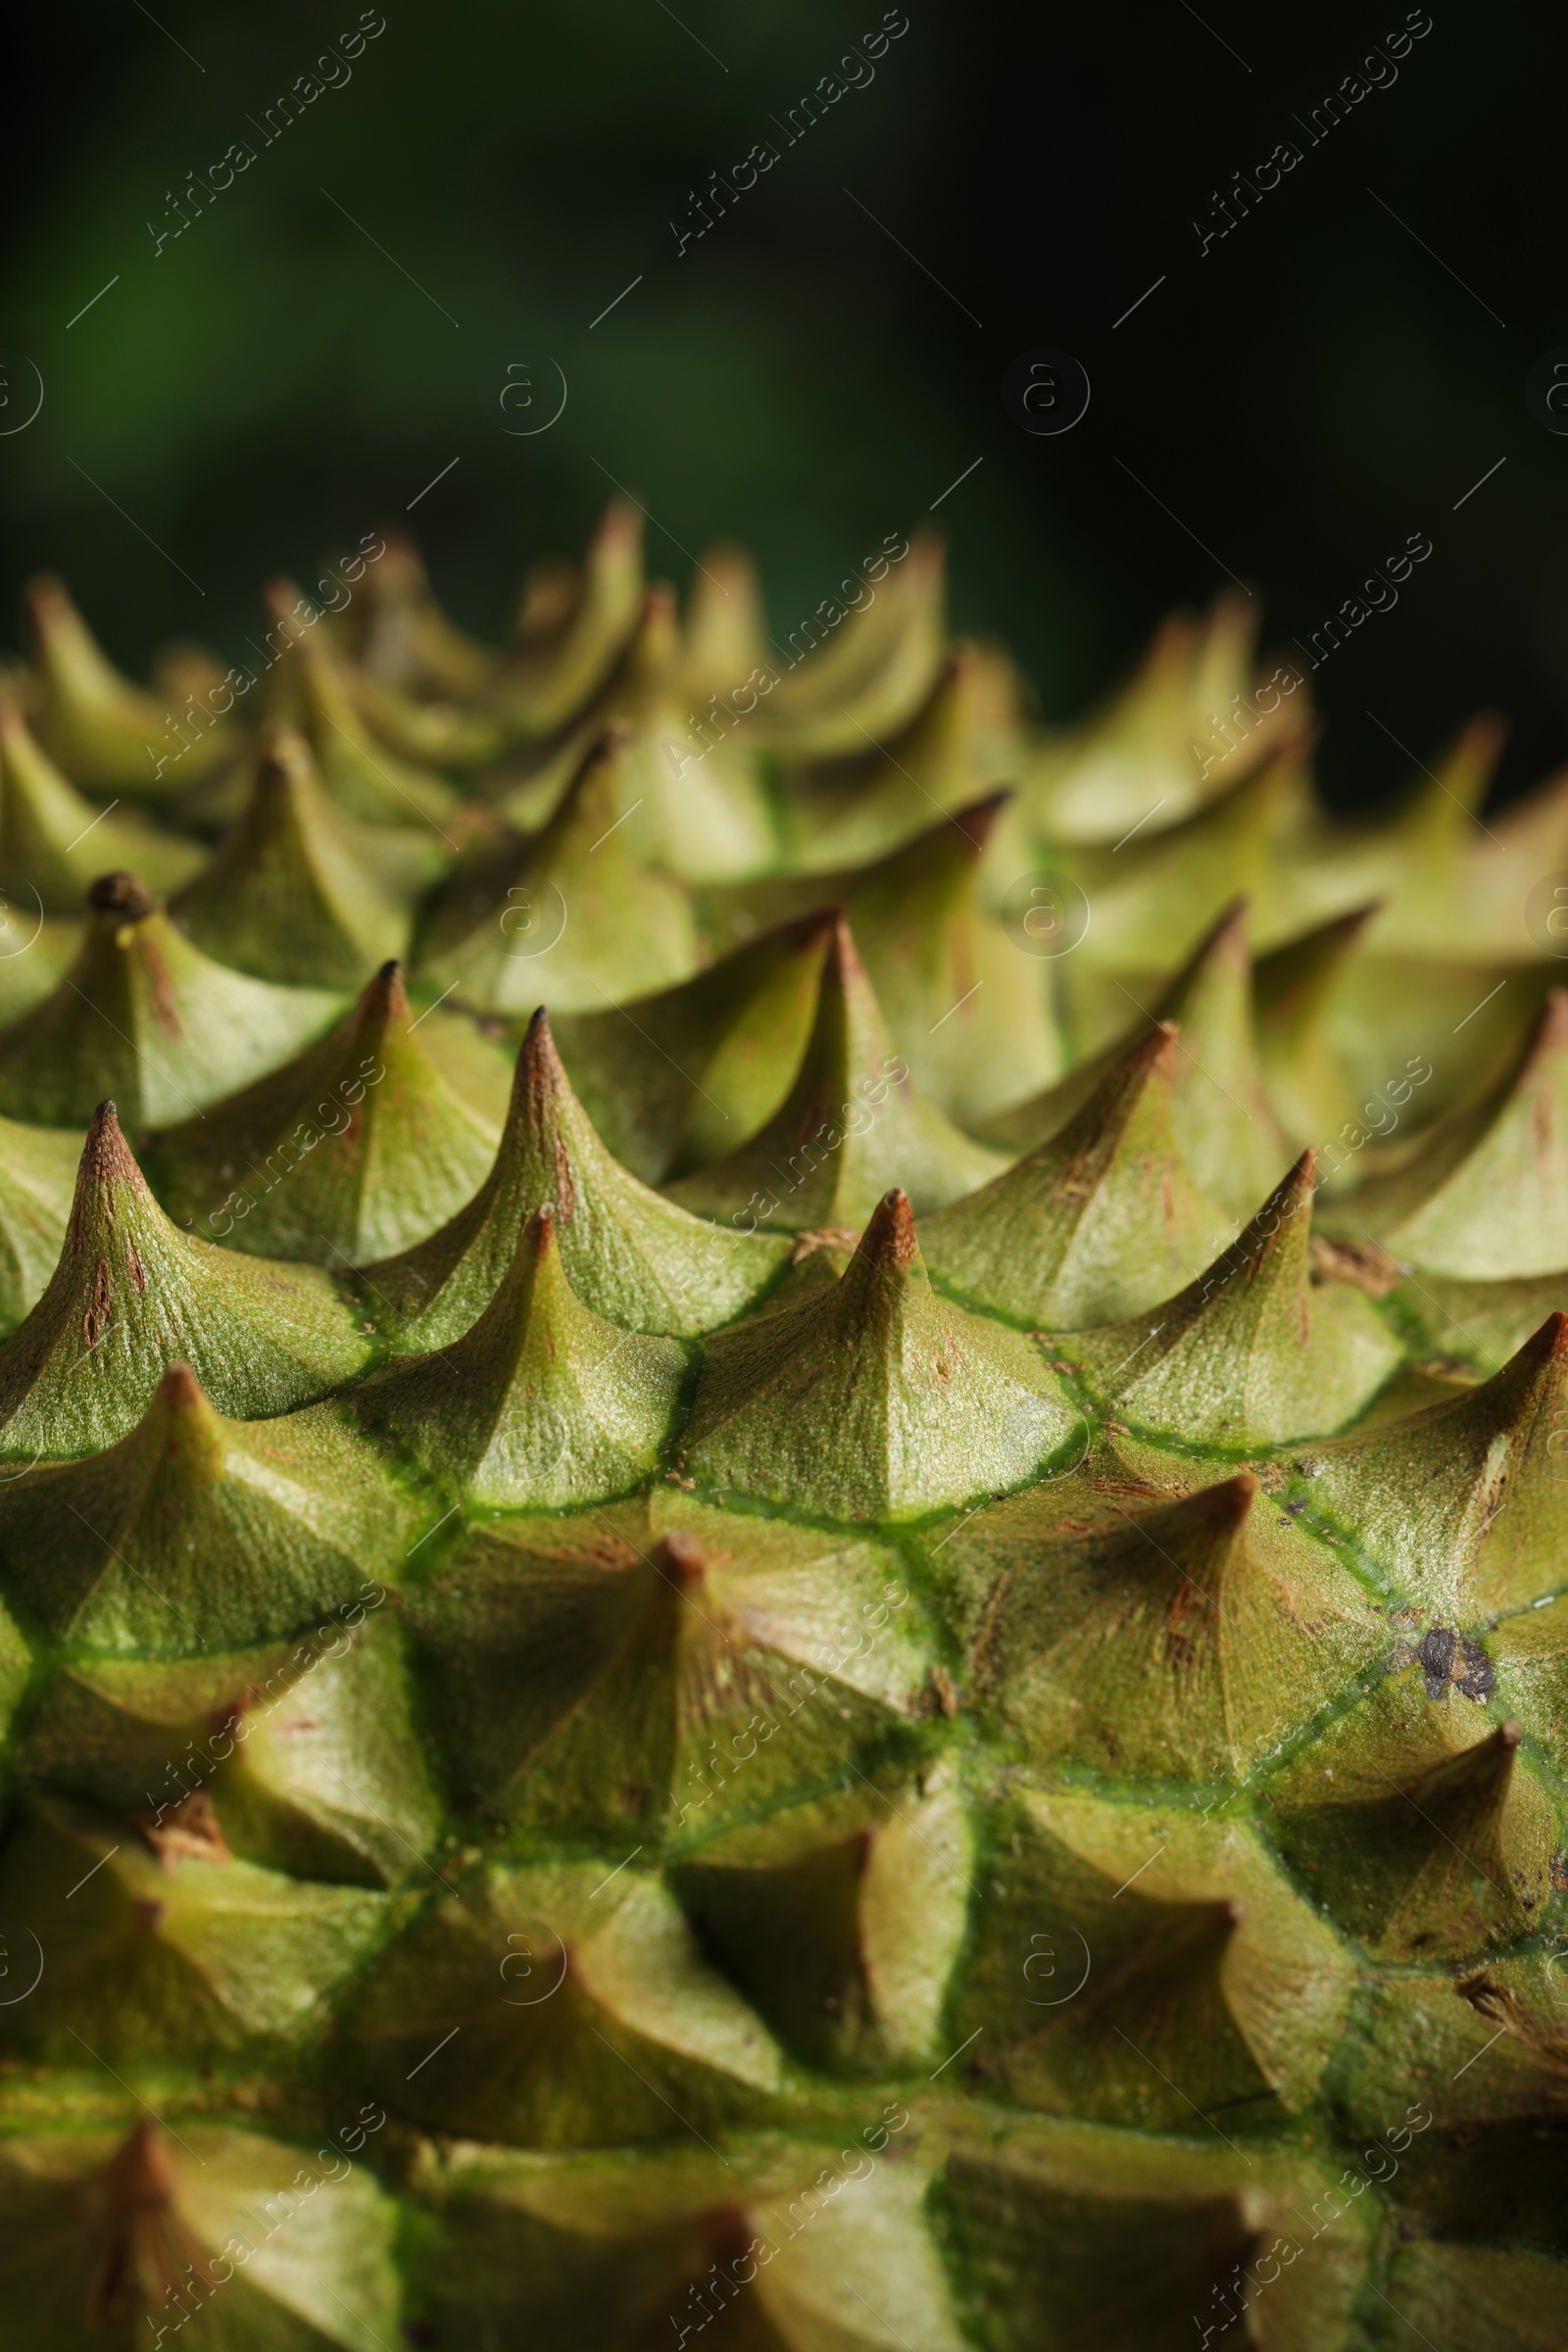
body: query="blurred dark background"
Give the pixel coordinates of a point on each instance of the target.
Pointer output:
(1322, 382)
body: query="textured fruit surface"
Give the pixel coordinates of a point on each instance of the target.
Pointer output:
(783, 1498)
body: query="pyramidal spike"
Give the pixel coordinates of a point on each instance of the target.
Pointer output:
(1155, 897)
(1430, 845)
(145, 2249)
(1225, 1126)
(1418, 1826)
(949, 979)
(879, 1905)
(726, 1045)
(44, 824)
(196, 1532)
(220, 1950)
(396, 631)
(1291, 986)
(426, 734)
(542, 1403)
(873, 1398)
(649, 659)
(567, 643)
(640, 2016)
(1223, 1981)
(1426, 1496)
(693, 806)
(144, 1015)
(130, 1294)
(551, 592)
(104, 732)
(873, 676)
(1098, 1223)
(353, 1151)
(623, 1730)
(852, 1124)
(677, 1643)
(184, 665)
(293, 892)
(725, 635)
(567, 914)
(1182, 1644)
(307, 689)
(1485, 1197)
(876, 792)
(1097, 779)
(629, 1254)
(1476, 1778)
(1221, 1116)
(1248, 1353)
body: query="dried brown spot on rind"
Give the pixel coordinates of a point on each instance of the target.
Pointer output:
(122, 894)
(1453, 1658)
(189, 1831)
(100, 1307)
(1360, 1263)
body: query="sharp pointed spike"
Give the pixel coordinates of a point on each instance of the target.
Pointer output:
(1100, 1221)
(853, 1117)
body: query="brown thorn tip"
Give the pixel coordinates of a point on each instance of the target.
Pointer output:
(121, 894)
(179, 1385)
(978, 821)
(1297, 1181)
(1154, 1049)
(281, 753)
(808, 930)
(385, 997)
(1546, 1349)
(1224, 1505)
(106, 1156)
(1510, 1733)
(539, 1061)
(889, 1240)
(683, 1556)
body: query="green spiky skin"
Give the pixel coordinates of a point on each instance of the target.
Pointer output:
(732, 1605)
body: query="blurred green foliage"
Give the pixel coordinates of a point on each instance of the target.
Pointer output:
(277, 379)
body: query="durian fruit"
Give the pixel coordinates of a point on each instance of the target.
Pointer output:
(740, 1601)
